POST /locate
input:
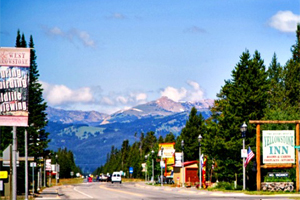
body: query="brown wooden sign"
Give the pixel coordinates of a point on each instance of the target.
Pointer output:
(258, 150)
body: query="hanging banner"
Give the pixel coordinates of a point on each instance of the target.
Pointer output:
(278, 146)
(14, 83)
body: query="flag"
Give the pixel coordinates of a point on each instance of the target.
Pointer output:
(250, 155)
(201, 161)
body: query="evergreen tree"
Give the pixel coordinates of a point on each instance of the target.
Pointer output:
(189, 134)
(242, 98)
(170, 137)
(292, 75)
(276, 91)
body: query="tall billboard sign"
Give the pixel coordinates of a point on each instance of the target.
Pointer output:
(14, 83)
(278, 146)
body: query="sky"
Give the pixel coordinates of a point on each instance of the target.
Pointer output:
(107, 55)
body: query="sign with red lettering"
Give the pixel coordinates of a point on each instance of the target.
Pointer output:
(14, 80)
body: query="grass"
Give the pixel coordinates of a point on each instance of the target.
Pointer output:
(68, 181)
(131, 180)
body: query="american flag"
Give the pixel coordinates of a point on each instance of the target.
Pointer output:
(250, 155)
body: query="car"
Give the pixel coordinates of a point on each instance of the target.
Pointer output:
(116, 177)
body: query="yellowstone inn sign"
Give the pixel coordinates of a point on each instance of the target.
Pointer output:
(278, 146)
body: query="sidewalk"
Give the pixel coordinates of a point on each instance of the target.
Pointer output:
(194, 190)
(49, 193)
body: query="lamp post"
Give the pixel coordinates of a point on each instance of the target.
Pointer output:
(182, 147)
(146, 157)
(56, 168)
(200, 164)
(161, 160)
(243, 131)
(152, 152)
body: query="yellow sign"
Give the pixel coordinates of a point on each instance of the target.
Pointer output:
(3, 174)
(168, 150)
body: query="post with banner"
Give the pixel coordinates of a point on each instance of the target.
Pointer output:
(14, 80)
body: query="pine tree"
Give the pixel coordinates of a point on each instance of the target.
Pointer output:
(292, 75)
(189, 134)
(242, 98)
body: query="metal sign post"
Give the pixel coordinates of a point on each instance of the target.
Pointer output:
(298, 148)
(33, 164)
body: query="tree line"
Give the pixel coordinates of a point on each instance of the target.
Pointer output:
(254, 92)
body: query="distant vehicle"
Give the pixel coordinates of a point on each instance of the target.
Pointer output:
(104, 178)
(116, 177)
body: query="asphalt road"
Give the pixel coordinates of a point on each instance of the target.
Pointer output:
(137, 191)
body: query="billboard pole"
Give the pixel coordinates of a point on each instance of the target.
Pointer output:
(14, 192)
(26, 166)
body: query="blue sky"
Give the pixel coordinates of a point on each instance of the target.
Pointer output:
(107, 55)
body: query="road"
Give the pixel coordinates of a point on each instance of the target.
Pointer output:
(138, 191)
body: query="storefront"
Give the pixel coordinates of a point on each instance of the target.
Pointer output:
(190, 169)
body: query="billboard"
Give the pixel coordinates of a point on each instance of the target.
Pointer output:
(168, 150)
(278, 146)
(14, 80)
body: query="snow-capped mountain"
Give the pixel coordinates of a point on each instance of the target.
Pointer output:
(161, 107)
(90, 135)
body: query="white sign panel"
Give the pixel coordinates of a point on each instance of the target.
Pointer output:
(278, 146)
(33, 164)
(48, 165)
(244, 153)
(178, 158)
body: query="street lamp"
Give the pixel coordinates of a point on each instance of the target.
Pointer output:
(200, 164)
(146, 157)
(243, 131)
(161, 160)
(152, 152)
(182, 147)
(56, 156)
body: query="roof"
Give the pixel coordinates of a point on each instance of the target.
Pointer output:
(187, 163)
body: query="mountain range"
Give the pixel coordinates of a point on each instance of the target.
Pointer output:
(90, 134)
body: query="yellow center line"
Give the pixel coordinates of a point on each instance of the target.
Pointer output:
(121, 191)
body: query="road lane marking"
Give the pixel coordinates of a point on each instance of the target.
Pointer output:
(82, 193)
(125, 192)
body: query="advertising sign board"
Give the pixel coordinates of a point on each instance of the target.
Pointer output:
(278, 146)
(14, 80)
(168, 151)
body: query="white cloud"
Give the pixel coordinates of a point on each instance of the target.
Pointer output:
(141, 97)
(72, 34)
(86, 39)
(174, 93)
(61, 94)
(122, 100)
(284, 21)
(107, 101)
(56, 31)
(195, 93)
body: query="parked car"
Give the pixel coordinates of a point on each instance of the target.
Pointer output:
(116, 177)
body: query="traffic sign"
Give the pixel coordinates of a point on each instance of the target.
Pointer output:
(32, 164)
(130, 170)
(3, 174)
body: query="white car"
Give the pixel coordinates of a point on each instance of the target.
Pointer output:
(116, 177)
